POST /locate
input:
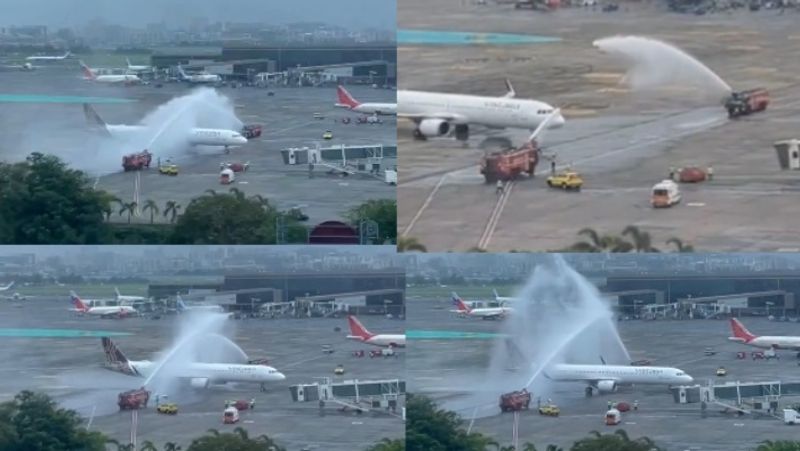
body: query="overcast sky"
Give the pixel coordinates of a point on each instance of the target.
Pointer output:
(347, 13)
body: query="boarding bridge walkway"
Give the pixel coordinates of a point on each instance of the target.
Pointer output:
(367, 159)
(744, 397)
(354, 394)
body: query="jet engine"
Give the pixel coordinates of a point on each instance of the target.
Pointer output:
(199, 382)
(434, 127)
(606, 386)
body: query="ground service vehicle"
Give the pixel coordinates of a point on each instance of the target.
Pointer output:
(168, 408)
(692, 175)
(230, 415)
(251, 131)
(168, 169)
(137, 161)
(613, 417)
(226, 177)
(339, 370)
(566, 180)
(235, 167)
(509, 164)
(515, 400)
(721, 371)
(550, 410)
(790, 416)
(390, 176)
(327, 135)
(133, 399)
(746, 102)
(665, 194)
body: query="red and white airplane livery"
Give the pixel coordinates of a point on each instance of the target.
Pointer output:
(742, 335)
(360, 333)
(119, 311)
(347, 101)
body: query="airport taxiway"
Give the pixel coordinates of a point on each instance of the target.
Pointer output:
(447, 369)
(69, 369)
(622, 143)
(287, 119)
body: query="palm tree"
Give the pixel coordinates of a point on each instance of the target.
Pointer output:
(150, 204)
(242, 431)
(108, 205)
(476, 249)
(680, 246)
(263, 201)
(147, 445)
(598, 243)
(550, 448)
(528, 447)
(169, 446)
(120, 446)
(410, 244)
(237, 193)
(171, 208)
(213, 432)
(129, 208)
(211, 192)
(641, 240)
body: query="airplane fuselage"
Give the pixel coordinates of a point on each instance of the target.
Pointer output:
(381, 109)
(197, 136)
(216, 372)
(772, 342)
(384, 340)
(619, 374)
(110, 310)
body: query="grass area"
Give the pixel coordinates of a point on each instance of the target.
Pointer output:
(113, 60)
(468, 292)
(86, 290)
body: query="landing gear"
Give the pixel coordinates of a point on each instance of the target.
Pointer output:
(419, 136)
(588, 392)
(227, 150)
(798, 355)
(462, 132)
(263, 388)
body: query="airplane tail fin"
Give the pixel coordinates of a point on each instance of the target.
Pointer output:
(68, 54)
(496, 294)
(510, 93)
(345, 98)
(128, 60)
(460, 305)
(116, 290)
(741, 332)
(115, 359)
(180, 71)
(76, 301)
(7, 287)
(96, 122)
(179, 302)
(357, 330)
(87, 72)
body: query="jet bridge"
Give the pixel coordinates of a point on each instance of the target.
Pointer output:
(743, 397)
(344, 159)
(357, 395)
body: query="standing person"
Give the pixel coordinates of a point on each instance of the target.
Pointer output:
(499, 189)
(635, 405)
(553, 166)
(710, 173)
(672, 173)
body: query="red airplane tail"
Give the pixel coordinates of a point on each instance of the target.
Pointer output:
(76, 301)
(739, 331)
(357, 329)
(87, 72)
(345, 98)
(460, 305)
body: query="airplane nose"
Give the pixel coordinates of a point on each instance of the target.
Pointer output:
(281, 377)
(241, 140)
(558, 121)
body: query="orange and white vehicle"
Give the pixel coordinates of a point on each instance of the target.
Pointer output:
(230, 415)
(744, 336)
(665, 194)
(360, 333)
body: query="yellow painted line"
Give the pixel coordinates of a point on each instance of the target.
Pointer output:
(603, 75)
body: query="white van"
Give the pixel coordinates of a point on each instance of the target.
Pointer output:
(391, 176)
(665, 194)
(230, 415)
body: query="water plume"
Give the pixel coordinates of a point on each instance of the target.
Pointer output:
(653, 64)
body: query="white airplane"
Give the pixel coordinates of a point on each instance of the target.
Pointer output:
(23, 67)
(360, 333)
(128, 79)
(199, 78)
(194, 308)
(49, 58)
(347, 101)
(7, 287)
(742, 335)
(121, 298)
(503, 299)
(15, 297)
(134, 68)
(197, 136)
(117, 311)
(199, 375)
(606, 378)
(483, 313)
(437, 114)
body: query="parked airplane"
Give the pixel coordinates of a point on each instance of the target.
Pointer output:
(360, 333)
(121, 298)
(202, 308)
(23, 67)
(138, 69)
(503, 299)
(128, 79)
(197, 136)
(437, 114)
(483, 313)
(7, 287)
(49, 58)
(347, 101)
(606, 378)
(15, 297)
(111, 311)
(199, 374)
(199, 78)
(742, 335)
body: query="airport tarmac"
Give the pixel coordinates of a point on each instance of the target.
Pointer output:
(621, 142)
(287, 119)
(69, 369)
(446, 369)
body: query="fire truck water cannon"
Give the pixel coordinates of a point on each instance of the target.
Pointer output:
(251, 131)
(742, 103)
(137, 161)
(133, 399)
(515, 401)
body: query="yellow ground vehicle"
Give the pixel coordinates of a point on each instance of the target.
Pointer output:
(168, 169)
(339, 370)
(327, 135)
(721, 371)
(550, 410)
(565, 180)
(168, 408)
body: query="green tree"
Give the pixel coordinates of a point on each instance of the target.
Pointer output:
(151, 205)
(429, 428)
(410, 244)
(680, 246)
(128, 207)
(641, 240)
(227, 218)
(598, 243)
(171, 208)
(32, 421)
(44, 202)
(238, 440)
(383, 212)
(147, 445)
(618, 441)
(780, 445)
(388, 445)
